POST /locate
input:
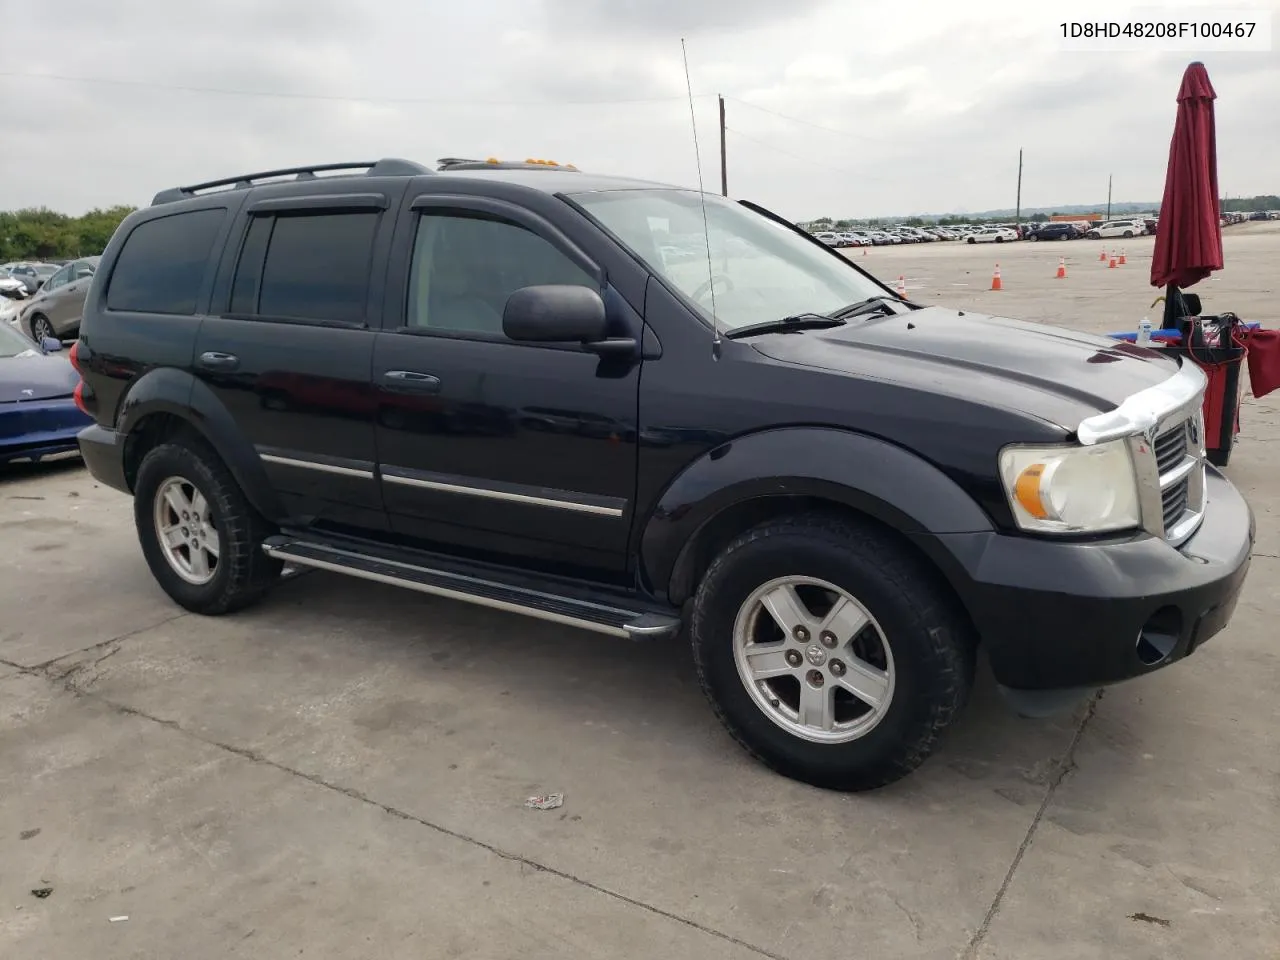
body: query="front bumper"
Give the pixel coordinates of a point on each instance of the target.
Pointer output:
(39, 428)
(1056, 615)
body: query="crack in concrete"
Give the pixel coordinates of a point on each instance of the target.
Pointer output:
(1065, 766)
(68, 684)
(128, 634)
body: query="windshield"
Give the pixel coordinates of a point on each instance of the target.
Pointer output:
(762, 270)
(13, 343)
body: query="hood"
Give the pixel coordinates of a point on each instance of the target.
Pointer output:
(45, 376)
(1055, 375)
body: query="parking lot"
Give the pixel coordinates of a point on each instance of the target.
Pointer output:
(342, 770)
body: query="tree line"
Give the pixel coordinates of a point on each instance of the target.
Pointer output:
(43, 234)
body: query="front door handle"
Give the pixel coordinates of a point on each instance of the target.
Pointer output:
(410, 381)
(214, 360)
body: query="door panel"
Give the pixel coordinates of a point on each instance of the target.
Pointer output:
(490, 446)
(302, 396)
(289, 349)
(518, 450)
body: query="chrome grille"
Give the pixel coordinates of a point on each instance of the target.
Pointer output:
(1178, 451)
(1171, 447)
(1173, 502)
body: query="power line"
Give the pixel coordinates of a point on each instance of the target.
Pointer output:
(807, 123)
(807, 160)
(337, 98)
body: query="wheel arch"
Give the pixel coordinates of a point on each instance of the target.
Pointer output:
(730, 490)
(166, 404)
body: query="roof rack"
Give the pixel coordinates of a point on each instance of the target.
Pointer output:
(387, 167)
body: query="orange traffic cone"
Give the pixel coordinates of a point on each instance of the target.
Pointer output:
(1102, 255)
(1112, 263)
(902, 286)
(1062, 268)
(1122, 261)
(995, 279)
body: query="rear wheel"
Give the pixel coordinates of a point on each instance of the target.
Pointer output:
(1128, 234)
(200, 536)
(829, 652)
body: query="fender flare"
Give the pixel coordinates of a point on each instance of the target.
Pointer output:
(177, 393)
(873, 476)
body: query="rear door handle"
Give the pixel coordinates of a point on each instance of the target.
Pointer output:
(213, 360)
(410, 381)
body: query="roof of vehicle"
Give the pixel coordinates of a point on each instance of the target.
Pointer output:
(541, 175)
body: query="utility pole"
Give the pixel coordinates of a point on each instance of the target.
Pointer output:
(1017, 213)
(724, 160)
(1108, 196)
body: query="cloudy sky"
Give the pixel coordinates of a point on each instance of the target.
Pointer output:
(841, 107)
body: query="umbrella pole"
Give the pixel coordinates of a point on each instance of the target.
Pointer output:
(1172, 307)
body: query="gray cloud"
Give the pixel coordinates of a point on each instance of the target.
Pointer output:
(924, 109)
(673, 18)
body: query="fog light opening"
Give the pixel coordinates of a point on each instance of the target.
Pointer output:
(1159, 635)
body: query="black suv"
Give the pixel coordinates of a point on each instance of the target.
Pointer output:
(510, 384)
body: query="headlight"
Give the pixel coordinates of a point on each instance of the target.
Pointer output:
(1071, 489)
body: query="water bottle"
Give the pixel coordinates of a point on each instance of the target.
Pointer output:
(1144, 332)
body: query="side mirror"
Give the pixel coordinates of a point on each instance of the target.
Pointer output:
(555, 313)
(50, 344)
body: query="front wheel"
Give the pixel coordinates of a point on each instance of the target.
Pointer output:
(201, 537)
(829, 652)
(971, 240)
(41, 328)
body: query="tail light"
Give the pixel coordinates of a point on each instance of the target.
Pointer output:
(78, 396)
(74, 357)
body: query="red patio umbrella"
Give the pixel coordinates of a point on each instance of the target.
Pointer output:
(1189, 241)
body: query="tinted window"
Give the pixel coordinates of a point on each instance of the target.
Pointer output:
(466, 265)
(163, 262)
(317, 267)
(244, 291)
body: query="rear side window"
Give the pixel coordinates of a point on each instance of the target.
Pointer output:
(306, 267)
(163, 262)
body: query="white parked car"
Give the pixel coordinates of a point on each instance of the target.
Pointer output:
(1118, 228)
(830, 239)
(993, 235)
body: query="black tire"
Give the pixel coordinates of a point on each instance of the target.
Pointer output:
(1032, 236)
(243, 573)
(39, 323)
(1128, 234)
(931, 641)
(971, 240)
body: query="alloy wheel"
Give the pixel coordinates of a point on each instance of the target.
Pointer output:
(184, 527)
(814, 659)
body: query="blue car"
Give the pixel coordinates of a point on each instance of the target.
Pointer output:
(38, 413)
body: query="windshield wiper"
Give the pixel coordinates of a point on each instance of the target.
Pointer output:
(866, 306)
(797, 321)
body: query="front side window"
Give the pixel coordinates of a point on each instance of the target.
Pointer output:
(467, 264)
(162, 264)
(312, 266)
(58, 278)
(760, 270)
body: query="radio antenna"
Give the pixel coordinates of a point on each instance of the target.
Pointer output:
(702, 195)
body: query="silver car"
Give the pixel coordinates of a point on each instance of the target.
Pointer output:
(56, 309)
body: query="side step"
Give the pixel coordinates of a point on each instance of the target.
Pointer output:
(571, 611)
